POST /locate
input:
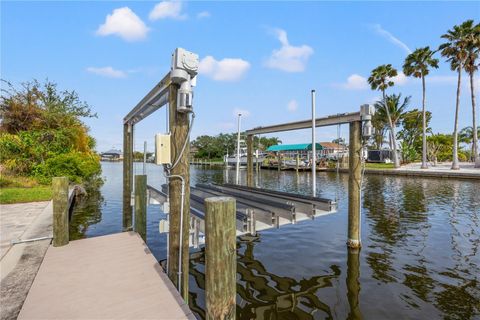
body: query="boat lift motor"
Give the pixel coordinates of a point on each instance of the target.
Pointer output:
(183, 72)
(366, 113)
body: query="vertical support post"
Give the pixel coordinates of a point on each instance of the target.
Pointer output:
(237, 165)
(60, 211)
(141, 206)
(127, 174)
(355, 171)
(279, 161)
(250, 160)
(145, 157)
(353, 285)
(257, 164)
(314, 148)
(297, 162)
(179, 125)
(220, 255)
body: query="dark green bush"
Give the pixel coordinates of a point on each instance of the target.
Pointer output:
(74, 165)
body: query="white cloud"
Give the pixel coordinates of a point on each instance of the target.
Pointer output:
(107, 72)
(124, 23)
(390, 37)
(288, 58)
(228, 69)
(292, 105)
(245, 113)
(167, 9)
(355, 82)
(203, 14)
(400, 79)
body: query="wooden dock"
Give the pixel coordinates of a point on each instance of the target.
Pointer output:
(108, 277)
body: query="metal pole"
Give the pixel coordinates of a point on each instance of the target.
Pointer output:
(144, 157)
(314, 149)
(237, 177)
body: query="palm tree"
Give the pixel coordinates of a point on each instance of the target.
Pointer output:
(395, 108)
(473, 49)
(417, 64)
(455, 50)
(466, 135)
(381, 79)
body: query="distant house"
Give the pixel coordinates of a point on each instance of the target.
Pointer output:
(112, 155)
(332, 150)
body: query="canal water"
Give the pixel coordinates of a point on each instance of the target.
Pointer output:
(420, 257)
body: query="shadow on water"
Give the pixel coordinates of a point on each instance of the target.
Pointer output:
(419, 258)
(87, 211)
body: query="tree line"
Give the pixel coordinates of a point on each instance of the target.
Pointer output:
(42, 134)
(215, 147)
(461, 49)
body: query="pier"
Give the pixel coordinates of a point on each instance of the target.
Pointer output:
(108, 277)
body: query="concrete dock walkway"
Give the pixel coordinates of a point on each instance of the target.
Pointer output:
(108, 277)
(19, 263)
(441, 170)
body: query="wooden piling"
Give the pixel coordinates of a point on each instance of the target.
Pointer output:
(355, 171)
(60, 211)
(141, 206)
(297, 162)
(179, 123)
(279, 160)
(220, 258)
(127, 175)
(250, 160)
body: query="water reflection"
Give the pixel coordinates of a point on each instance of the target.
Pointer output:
(420, 257)
(87, 212)
(353, 283)
(265, 295)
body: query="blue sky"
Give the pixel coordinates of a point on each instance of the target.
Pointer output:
(260, 58)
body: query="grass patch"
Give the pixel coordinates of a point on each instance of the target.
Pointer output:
(19, 195)
(379, 166)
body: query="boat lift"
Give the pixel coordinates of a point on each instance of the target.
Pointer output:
(257, 209)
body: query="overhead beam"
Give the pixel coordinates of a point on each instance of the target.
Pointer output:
(305, 124)
(154, 100)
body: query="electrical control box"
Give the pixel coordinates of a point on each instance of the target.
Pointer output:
(162, 149)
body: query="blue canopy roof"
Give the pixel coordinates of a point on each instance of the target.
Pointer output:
(294, 147)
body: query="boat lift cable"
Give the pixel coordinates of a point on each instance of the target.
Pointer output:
(338, 166)
(362, 159)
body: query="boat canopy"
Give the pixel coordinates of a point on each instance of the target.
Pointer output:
(294, 147)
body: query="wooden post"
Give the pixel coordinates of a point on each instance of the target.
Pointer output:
(141, 206)
(353, 285)
(60, 211)
(127, 175)
(297, 162)
(250, 160)
(220, 258)
(279, 159)
(179, 123)
(355, 171)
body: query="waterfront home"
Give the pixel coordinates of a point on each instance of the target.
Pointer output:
(333, 150)
(112, 155)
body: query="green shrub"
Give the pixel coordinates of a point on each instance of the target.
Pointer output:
(74, 165)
